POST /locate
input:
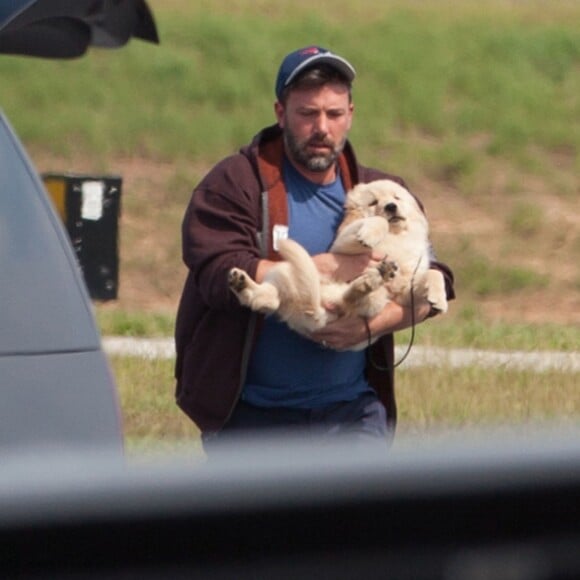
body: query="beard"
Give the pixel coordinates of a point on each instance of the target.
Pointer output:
(316, 162)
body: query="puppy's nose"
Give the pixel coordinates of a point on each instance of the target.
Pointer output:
(391, 207)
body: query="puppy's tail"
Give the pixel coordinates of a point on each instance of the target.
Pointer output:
(305, 275)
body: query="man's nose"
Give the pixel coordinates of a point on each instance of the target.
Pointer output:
(322, 124)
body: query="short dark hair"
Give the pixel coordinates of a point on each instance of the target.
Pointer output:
(315, 77)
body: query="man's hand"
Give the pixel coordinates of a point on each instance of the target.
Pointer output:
(346, 332)
(342, 334)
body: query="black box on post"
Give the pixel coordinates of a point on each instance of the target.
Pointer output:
(90, 207)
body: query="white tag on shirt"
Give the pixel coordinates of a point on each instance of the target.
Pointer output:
(279, 232)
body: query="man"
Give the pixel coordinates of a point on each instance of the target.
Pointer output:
(237, 371)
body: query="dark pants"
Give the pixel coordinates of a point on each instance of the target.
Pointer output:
(362, 420)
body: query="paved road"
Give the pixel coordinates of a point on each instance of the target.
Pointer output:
(539, 361)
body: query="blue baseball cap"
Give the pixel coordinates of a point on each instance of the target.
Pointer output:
(303, 58)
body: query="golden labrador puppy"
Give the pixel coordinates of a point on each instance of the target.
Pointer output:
(380, 216)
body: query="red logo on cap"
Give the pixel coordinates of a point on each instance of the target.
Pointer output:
(311, 50)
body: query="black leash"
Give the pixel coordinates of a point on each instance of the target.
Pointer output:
(376, 365)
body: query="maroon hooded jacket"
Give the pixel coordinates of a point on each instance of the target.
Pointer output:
(226, 225)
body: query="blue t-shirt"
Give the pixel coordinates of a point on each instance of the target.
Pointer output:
(286, 369)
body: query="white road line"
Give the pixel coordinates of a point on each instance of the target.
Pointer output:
(539, 361)
(150, 348)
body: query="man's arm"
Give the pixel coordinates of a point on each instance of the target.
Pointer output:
(345, 332)
(349, 331)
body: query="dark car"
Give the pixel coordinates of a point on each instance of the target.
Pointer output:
(56, 389)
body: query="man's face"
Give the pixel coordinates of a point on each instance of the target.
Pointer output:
(316, 123)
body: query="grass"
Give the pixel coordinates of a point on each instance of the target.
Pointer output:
(462, 329)
(475, 79)
(432, 401)
(152, 421)
(526, 220)
(436, 398)
(467, 330)
(136, 324)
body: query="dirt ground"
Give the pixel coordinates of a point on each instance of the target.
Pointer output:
(155, 194)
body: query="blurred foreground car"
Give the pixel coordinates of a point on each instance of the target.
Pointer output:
(501, 509)
(56, 389)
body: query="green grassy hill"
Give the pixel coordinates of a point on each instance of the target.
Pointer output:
(475, 104)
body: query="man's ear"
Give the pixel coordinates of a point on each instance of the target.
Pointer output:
(279, 112)
(351, 113)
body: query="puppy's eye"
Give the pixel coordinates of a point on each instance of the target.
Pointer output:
(374, 202)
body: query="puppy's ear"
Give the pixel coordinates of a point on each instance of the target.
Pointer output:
(361, 197)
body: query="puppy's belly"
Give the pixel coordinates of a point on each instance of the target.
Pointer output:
(332, 292)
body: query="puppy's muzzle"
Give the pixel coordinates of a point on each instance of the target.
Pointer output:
(391, 209)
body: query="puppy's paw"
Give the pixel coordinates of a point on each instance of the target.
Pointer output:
(436, 294)
(237, 280)
(388, 269)
(368, 281)
(438, 303)
(362, 286)
(370, 235)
